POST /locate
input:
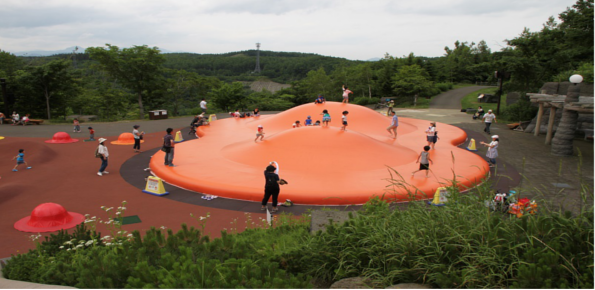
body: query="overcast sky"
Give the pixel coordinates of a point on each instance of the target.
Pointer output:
(353, 29)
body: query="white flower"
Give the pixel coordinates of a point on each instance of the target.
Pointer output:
(61, 247)
(88, 243)
(163, 227)
(123, 208)
(118, 213)
(108, 244)
(106, 237)
(79, 246)
(68, 243)
(103, 207)
(203, 218)
(87, 215)
(130, 235)
(67, 249)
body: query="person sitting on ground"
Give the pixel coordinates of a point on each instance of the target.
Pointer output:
(308, 121)
(236, 114)
(317, 123)
(320, 100)
(297, 124)
(256, 112)
(479, 114)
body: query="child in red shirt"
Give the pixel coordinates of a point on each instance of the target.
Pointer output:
(259, 133)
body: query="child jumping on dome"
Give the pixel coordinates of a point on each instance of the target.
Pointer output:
(346, 93)
(425, 161)
(344, 118)
(308, 121)
(20, 160)
(326, 118)
(259, 133)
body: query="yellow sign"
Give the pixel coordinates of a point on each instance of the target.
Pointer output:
(178, 138)
(440, 197)
(471, 146)
(155, 186)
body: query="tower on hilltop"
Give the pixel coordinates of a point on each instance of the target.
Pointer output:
(257, 69)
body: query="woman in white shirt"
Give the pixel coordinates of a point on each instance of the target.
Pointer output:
(492, 150)
(432, 135)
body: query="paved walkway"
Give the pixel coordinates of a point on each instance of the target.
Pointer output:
(552, 179)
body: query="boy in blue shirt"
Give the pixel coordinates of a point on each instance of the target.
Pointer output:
(20, 160)
(308, 121)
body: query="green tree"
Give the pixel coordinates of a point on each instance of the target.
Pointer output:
(229, 96)
(412, 80)
(54, 80)
(137, 68)
(317, 82)
(267, 101)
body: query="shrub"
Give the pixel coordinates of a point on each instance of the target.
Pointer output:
(186, 259)
(363, 101)
(462, 245)
(520, 111)
(443, 87)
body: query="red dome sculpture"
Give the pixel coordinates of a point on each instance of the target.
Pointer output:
(61, 138)
(125, 139)
(323, 165)
(49, 217)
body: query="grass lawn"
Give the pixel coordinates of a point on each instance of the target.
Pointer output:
(470, 100)
(458, 86)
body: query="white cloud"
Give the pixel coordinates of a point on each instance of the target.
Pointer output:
(351, 29)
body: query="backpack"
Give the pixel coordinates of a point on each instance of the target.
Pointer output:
(97, 155)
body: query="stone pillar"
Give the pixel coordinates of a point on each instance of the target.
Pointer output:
(562, 144)
(550, 126)
(539, 118)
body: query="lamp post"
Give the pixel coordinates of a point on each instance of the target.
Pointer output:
(562, 144)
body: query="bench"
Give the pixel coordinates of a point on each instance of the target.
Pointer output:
(35, 121)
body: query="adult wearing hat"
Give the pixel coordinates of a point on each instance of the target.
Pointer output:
(492, 150)
(488, 119)
(102, 153)
(137, 137)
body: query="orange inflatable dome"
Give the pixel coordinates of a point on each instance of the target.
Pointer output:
(61, 138)
(125, 139)
(323, 165)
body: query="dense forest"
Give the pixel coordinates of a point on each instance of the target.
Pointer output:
(124, 83)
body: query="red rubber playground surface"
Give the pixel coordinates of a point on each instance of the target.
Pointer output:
(323, 165)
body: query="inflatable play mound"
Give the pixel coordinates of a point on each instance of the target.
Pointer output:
(323, 165)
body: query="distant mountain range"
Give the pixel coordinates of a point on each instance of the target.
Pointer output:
(62, 51)
(69, 50)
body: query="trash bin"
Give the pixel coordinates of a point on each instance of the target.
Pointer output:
(157, 114)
